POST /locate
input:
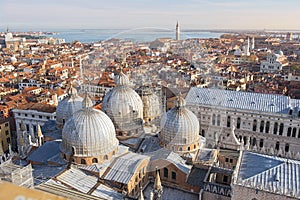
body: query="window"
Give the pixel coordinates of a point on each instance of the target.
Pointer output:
(32, 116)
(6, 124)
(287, 147)
(106, 157)
(289, 132)
(6, 132)
(238, 123)
(25, 115)
(214, 119)
(277, 146)
(254, 125)
(203, 133)
(173, 175)
(226, 159)
(218, 120)
(261, 143)
(262, 125)
(166, 172)
(267, 127)
(83, 161)
(225, 179)
(95, 160)
(281, 128)
(254, 142)
(275, 128)
(40, 116)
(8, 140)
(294, 132)
(231, 160)
(228, 121)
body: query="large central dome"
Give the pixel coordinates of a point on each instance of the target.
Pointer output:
(124, 106)
(89, 136)
(180, 129)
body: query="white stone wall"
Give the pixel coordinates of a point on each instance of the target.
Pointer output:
(214, 131)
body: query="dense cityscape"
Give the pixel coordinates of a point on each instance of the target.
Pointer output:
(177, 117)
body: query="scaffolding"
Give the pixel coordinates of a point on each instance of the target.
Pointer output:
(16, 174)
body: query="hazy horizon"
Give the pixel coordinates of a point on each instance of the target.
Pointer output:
(117, 14)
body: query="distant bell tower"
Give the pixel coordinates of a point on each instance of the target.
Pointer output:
(177, 31)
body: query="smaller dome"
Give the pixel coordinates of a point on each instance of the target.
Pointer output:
(180, 128)
(68, 106)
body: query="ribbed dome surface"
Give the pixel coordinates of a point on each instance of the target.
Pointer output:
(68, 106)
(122, 104)
(91, 132)
(179, 126)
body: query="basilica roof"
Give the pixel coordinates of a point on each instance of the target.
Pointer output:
(68, 106)
(90, 131)
(179, 125)
(122, 102)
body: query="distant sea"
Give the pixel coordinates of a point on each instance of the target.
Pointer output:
(136, 35)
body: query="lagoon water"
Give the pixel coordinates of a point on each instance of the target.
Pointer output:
(137, 35)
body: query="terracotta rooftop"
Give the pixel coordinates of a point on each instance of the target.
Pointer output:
(41, 107)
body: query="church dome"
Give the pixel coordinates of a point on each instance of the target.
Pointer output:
(124, 106)
(68, 106)
(180, 129)
(89, 134)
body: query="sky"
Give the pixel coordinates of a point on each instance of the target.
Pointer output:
(191, 14)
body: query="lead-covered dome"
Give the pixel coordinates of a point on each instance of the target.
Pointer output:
(124, 106)
(67, 107)
(180, 129)
(89, 136)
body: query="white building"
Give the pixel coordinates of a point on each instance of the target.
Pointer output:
(274, 63)
(33, 114)
(263, 122)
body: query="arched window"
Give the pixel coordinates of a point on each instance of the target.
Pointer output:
(189, 148)
(289, 132)
(203, 133)
(254, 142)
(218, 120)
(294, 132)
(277, 146)
(261, 143)
(254, 125)
(262, 126)
(281, 129)
(213, 119)
(194, 146)
(245, 140)
(166, 172)
(238, 123)
(65, 157)
(275, 128)
(287, 147)
(173, 175)
(228, 121)
(95, 160)
(267, 127)
(83, 161)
